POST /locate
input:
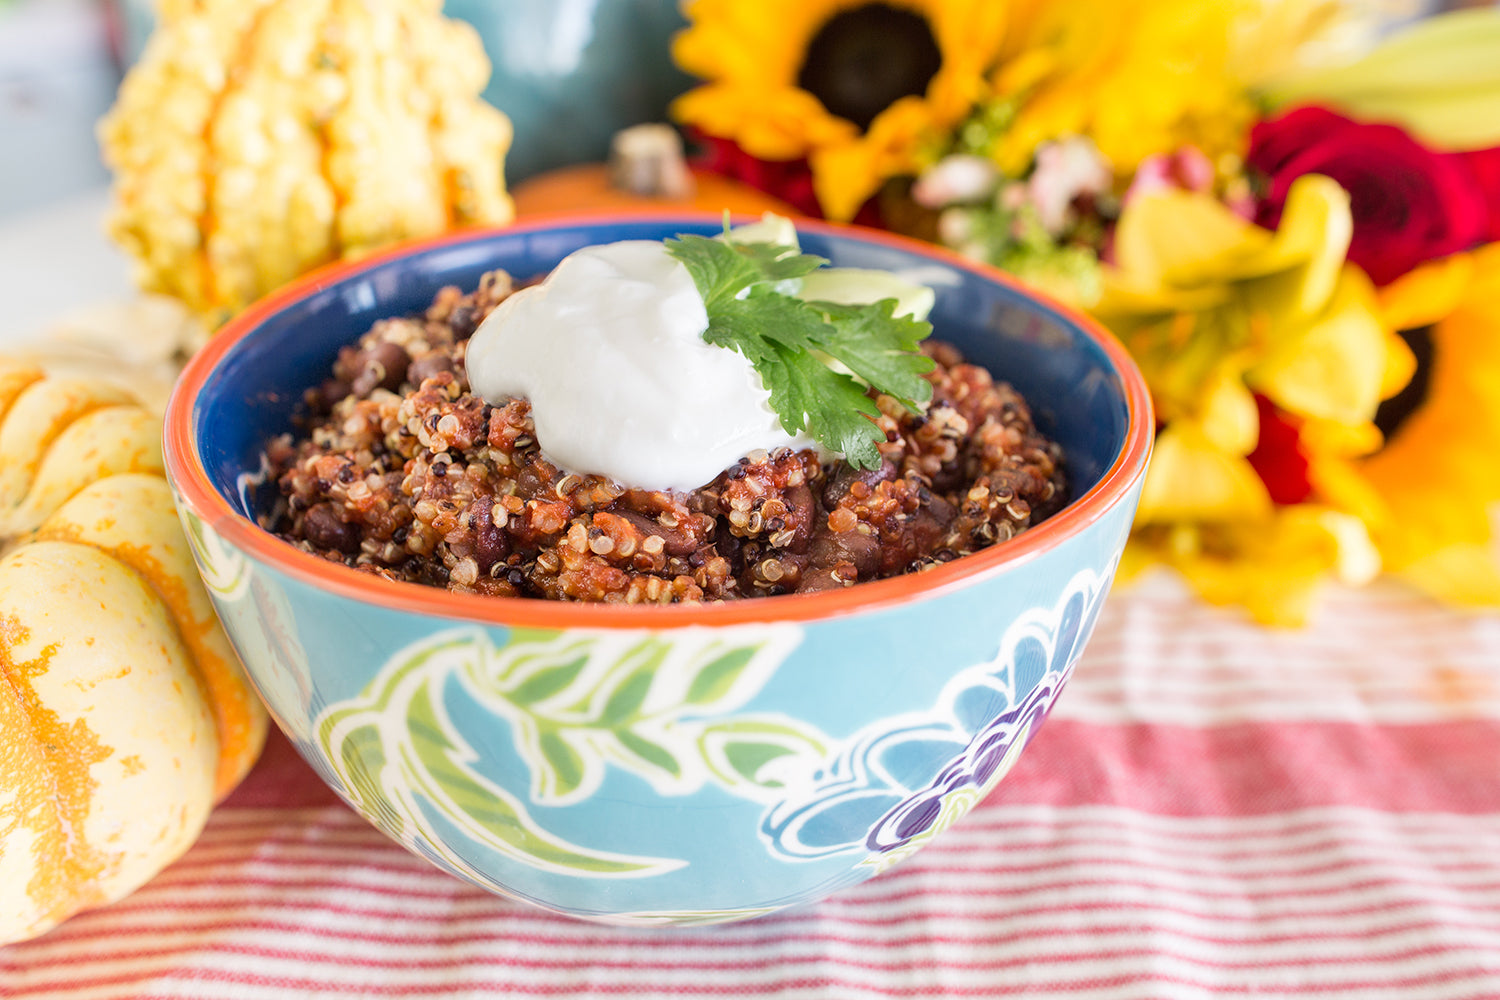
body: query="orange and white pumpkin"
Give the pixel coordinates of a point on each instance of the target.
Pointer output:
(124, 714)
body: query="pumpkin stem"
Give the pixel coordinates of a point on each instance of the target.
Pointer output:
(648, 160)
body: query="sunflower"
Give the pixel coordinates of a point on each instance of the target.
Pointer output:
(1436, 482)
(867, 91)
(855, 87)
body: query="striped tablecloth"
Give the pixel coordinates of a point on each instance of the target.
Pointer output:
(1213, 810)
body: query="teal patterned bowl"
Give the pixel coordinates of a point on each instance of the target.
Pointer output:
(645, 765)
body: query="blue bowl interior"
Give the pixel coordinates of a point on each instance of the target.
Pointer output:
(252, 395)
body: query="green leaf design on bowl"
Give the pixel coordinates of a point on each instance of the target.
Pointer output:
(660, 706)
(224, 570)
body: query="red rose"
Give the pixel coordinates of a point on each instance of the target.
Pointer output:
(1485, 163)
(1410, 204)
(789, 180)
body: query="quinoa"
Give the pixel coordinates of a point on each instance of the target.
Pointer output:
(400, 471)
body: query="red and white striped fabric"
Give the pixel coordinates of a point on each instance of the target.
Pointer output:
(1214, 810)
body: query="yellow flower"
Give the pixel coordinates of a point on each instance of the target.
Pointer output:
(1137, 78)
(867, 91)
(1218, 312)
(1271, 568)
(1437, 480)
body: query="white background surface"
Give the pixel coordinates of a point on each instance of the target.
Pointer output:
(54, 260)
(58, 73)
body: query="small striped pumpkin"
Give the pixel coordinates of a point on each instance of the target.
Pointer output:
(124, 715)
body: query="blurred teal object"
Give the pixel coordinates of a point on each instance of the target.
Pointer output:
(569, 73)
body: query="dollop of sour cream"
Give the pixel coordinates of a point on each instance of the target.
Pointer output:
(609, 351)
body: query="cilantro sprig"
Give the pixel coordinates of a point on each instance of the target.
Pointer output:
(792, 343)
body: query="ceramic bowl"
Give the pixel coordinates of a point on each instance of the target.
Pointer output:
(643, 765)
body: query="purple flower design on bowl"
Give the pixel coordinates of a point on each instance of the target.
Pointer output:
(963, 783)
(893, 786)
(988, 758)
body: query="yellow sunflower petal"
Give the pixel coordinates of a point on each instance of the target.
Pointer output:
(1018, 75)
(761, 42)
(1425, 295)
(779, 123)
(847, 174)
(1438, 473)
(1400, 365)
(969, 33)
(844, 177)
(1137, 78)
(1466, 575)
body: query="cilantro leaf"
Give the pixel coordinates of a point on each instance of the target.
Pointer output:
(881, 348)
(835, 406)
(794, 344)
(756, 324)
(722, 270)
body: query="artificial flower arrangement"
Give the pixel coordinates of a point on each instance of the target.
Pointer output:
(1294, 227)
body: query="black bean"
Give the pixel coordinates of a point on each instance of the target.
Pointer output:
(324, 528)
(328, 394)
(818, 579)
(800, 514)
(847, 475)
(491, 545)
(463, 320)
(829, 548)
(429, 365)
(678, 541)
(380, 366)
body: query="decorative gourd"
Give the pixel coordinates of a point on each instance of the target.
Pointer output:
(257, 139)
(124, 715)
(646, 170)
(588, 187)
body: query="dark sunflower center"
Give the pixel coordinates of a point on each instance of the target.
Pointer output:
(1395, 411)
(864, 60)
